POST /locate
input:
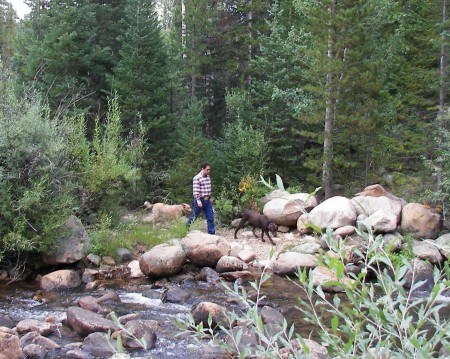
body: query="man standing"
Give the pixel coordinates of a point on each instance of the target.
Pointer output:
(201, 191)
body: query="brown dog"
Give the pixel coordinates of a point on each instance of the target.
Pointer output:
(257, 220)
(166, 211)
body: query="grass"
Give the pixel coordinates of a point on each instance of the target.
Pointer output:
(108, 237)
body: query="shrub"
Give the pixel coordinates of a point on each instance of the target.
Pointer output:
(109, 164)
(35, 180)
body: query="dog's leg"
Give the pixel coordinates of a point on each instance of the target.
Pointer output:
(268, 235)
(240, 225)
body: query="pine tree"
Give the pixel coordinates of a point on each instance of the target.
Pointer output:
(65, 52)
(8, 28)
(141, 77)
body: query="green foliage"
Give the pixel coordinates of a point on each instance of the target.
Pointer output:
(67, 50)
(35, 180)
(107, 235)
(378, 315)
(241, 152)
(191, 148)
(141, 77)
(107, 163)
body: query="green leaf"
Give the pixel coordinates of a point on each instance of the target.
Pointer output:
(334, 323)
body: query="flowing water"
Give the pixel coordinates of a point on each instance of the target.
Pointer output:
(21, 300)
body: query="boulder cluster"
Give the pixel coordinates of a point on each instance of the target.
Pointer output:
(299, 218)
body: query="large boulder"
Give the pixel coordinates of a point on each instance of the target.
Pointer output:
(289, 263)
(73, 243)
(381, 214)
(163, 260)
(85, 322)
(61, 279)
(286, 210)
(420, 221)
(204, 249)
(333, 213)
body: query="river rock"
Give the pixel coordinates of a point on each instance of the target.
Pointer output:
(6, 321)
(140, 329)
(61, 279)
(333, 213)
(176, 295)
(289, 263)
(33, 325)
(271, 315)
(420, 271)
(381, 210)
(328, 280)
(307, 245)
(34, 351)
(313, 350)
(90, 303)
(9, 344)
(163, 260)
(99, 345)
(135, 270)
(344, 231)
(204, 249)
(230, 264)
(420, 221)
(85, 322)
(393, 241)
(205, 309)
(286, 210)
(72, 244)
(208, 275)
(443, 243)
(428, 251)
(44, 342)
(247, 255)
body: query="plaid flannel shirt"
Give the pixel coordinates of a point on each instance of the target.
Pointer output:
(201, 186)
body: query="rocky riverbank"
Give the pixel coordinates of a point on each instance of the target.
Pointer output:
(204, 258)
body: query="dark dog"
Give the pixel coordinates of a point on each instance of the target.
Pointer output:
(257, 220)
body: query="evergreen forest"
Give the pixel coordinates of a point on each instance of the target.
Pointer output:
(108, 103)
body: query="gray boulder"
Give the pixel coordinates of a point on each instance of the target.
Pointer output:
(204, 249)
(333, 213)
(289, 263)
(85, 322)
(286, 210)
(72, 245)
(163, 260)
(61, 279)
(420, 221)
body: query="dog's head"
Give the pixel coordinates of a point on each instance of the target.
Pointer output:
(273, 228)
(186, 209)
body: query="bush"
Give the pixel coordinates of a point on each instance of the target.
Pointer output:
(35, 181)
(108, 165)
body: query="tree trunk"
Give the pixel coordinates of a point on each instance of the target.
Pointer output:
(443, 65)
(327, 170)
(442, 89)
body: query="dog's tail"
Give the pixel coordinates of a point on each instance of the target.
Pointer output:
(148, 205)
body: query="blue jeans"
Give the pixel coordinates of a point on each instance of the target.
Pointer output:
(209, 214)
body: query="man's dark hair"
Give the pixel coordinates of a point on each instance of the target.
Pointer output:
(204, 165)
